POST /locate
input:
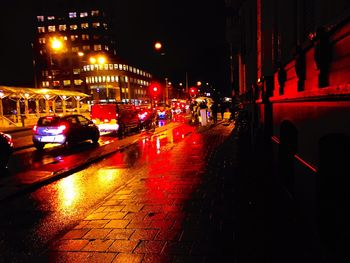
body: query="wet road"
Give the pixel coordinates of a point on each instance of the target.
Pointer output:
(27, 157)
(30, 222)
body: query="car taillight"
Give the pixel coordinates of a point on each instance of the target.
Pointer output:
(62, 128)
(35, 128)
(9, 139)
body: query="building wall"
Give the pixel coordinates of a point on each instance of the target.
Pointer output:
(309, 105)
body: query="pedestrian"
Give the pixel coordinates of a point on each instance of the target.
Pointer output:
(195, 112)
(23, 117)
(222, 110)
(203, 113)
(214, 111)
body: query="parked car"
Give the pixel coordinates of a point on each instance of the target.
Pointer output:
(6, 149)
(67, 130)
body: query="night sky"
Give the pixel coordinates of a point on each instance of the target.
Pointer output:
(193, 33)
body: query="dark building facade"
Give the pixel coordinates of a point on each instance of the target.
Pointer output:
(76, 50)
(295, 59)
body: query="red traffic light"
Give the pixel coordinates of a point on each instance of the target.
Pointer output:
(154, 89)
(193, 91)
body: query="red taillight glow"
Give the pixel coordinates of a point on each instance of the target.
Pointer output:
(35, 128)
(62, 128)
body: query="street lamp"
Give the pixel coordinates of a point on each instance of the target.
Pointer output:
(100, 60)
(55, 45)
(158, 45)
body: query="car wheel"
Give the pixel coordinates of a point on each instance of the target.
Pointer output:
(95, 138)
(39, 145)
(121, 130)
(4, 160)
(68, 143)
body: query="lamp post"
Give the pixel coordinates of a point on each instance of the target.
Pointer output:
(101, 60)
(56, 45)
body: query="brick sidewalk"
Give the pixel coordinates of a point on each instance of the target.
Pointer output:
(198, 202)
(173, 212)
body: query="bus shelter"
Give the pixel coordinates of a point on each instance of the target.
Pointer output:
(45, 102)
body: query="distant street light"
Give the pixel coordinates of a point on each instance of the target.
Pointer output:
(158, 45)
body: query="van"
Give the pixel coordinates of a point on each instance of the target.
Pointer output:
(114, 117)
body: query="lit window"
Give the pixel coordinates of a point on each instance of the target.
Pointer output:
(77, 82)
(106, 48)
(105, 67)
(97, 47)
(137, 71)
(76, 71)
(87, 80)
(86, 47)
(56, 83)
(95, 12)
(115, 66)
(85, 37)
(96, 24)
(75, 49)
(66, 82)
(42, 40)
(51, 28)
(134, 70)
(50, 18)
(105, 25)
(62, 27)
(116, 78)
(124, 67)
(40, 18)
(112, 78)
(74, 37)
(120, 66)
(73, 27)
(83, 14)
(84, 25)
(72, 15)
(41, 29)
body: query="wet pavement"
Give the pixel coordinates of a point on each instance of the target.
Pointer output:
(197, 194)
(201, 200)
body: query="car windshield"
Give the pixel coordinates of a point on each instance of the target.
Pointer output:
(48, 121)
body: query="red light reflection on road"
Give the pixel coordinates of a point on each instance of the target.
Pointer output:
(174, 175)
